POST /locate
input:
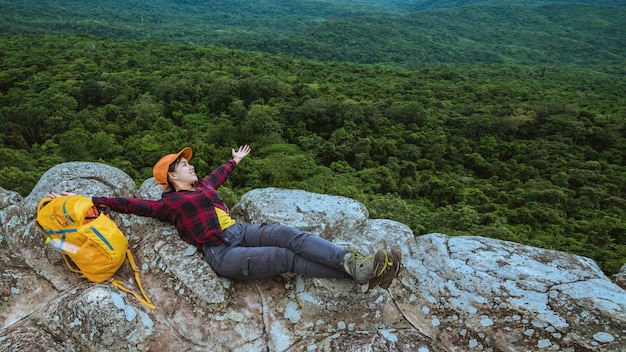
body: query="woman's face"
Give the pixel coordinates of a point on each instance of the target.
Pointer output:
(184, 173)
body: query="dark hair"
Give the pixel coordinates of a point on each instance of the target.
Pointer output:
(174, 163)
(172, 168)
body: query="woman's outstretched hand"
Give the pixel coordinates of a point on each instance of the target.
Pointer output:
(243, 151)
(55, 195)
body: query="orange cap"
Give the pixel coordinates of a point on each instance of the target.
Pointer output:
(161, 168)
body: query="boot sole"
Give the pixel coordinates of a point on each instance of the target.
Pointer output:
(387, 266)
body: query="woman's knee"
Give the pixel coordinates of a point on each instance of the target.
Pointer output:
(273, 235)
(256, 263)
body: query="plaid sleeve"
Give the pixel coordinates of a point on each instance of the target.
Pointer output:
(220, 175)
(141, 207)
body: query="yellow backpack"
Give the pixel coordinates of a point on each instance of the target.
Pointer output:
(101, 248)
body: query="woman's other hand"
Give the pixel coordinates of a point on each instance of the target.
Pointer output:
(243, 151)
(55, 195)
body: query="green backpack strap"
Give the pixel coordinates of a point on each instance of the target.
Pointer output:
(145, 300)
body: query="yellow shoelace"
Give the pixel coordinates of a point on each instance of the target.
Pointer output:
(388, 264)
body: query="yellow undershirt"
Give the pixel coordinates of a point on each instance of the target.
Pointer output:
(224, 218)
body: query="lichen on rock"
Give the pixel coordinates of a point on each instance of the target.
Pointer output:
(455, 294)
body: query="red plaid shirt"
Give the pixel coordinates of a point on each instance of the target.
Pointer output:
(192, 212)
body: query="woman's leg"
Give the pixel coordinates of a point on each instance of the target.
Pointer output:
(301, 243)
(247, 263)
(261, 251)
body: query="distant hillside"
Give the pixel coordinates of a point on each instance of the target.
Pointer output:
(191, 21)
(403, 33)
(547, 33)
(420, 5)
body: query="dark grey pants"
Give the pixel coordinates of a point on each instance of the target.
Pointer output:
(258, 251)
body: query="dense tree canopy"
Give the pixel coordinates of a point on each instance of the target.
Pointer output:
(528, 154)
(403, 33)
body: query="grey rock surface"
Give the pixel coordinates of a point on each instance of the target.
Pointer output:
(455, 294)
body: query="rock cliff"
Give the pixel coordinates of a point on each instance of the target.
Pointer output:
(456, 294)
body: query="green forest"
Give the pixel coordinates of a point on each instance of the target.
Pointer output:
(401, 33)
(525, 154)
(466, 136)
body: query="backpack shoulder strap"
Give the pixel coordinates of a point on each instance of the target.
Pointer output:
(145, 300)
(73, 268)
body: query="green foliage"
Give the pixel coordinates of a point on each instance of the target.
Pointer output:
(409, 34)
(517, 153)
(16, 179)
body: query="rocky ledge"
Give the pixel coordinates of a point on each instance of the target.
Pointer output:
(456, 293)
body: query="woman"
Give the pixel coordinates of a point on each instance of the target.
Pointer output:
(240, 250)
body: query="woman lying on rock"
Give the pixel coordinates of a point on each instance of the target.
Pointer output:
(242, 251)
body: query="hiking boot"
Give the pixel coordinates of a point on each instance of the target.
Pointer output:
(387, 266)
(359, 266)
